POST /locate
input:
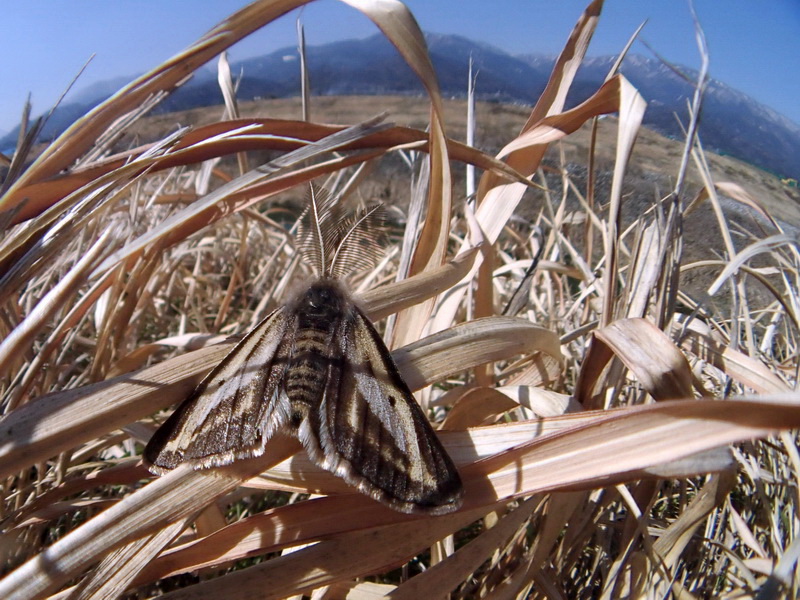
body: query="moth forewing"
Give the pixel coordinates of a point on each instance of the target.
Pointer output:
(414, 469)
(319, 371)
(235, 409)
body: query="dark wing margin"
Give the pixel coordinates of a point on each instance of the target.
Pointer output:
(235, 409)
(373, 433)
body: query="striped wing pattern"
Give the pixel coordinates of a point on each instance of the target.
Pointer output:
(235, 410)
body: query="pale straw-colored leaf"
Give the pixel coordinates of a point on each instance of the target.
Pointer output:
(214, 140)
(207, 204)
(61, 421)
(470, 344)
(476, 406)
(499, 202)
(674, 539)
(226, 84)
(81, 135)
(115, 573)
(543, 403)
(25, 252)
(754, 249)
(341, 558)
(636, 438)
(445, 576)
(386, 300)
(358, 590)
(647, 269)
(710, 191)
(538, 370)
(618, 433)
(162, 502)
(631, 113)
(658, 365)
(576, 457)
(742, 368)
(737, 193)
(716, 460)
(400, 27)
(225, 81)
(17, 342)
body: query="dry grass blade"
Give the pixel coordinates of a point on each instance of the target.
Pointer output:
(200, 214)
(344, 557)
(470, 344)
(179, 494)
(752, 250)
(113, 576)
(499, 202)
(25, 142)
(27, 249)
(577, 456)
(81, 135)
(16, 343)
(670, 485)
(239, 135)
(273, 530)
(673, 540)
(303, 523)
(636, 438)
(742, 368)
(655, 360)
(631, 112)
(445, 576)
(61, 421)
(384, 301)
(399, 25)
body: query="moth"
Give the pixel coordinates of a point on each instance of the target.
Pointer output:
(317, 369)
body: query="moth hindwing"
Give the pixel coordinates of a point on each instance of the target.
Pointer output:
(317, 369)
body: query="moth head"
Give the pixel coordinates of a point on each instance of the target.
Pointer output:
(323, 298)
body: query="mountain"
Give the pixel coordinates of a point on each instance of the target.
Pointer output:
(732, 122)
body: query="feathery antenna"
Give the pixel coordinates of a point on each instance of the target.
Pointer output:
(335, 245)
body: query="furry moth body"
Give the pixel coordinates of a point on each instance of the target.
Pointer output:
(317, 369)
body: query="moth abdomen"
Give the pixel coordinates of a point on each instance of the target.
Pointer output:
(315, 353)
(308, 370)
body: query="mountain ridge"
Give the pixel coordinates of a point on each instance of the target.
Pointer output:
(732, 122)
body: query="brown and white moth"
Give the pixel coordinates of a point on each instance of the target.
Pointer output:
(317, 369)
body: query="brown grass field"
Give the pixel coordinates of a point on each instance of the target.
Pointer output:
(652, 167)
(603, 340)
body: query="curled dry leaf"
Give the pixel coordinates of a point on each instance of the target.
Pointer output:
(744, 369)
(657, 363)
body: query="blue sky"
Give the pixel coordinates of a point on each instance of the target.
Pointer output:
(754, 44)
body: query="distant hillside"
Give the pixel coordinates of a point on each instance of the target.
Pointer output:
(732, 123)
